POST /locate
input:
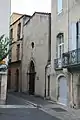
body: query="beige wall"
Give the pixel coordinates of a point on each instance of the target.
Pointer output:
(14, 66)
(36, 31)
(15, 27)
(15, 16)
(14, 76)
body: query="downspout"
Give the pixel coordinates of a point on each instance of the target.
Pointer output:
(49, 52)
(69, 71)
(71, 95)
(45, 81)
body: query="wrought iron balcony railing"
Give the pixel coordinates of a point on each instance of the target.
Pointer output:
(71, 58)
(58, 63)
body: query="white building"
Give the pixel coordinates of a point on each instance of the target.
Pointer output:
(5, 10)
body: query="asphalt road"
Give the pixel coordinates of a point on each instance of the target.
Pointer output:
(24, 114)
(23, 108)
(18, 109)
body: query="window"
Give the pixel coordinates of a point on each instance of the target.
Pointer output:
(78, 34)
(32, 44)
(60, 45)
(18, 51)
(59, 6)
(11, 34)
(11, 38)
(19, 31)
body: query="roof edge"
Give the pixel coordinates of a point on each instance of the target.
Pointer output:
(20, 18)
(36, 13)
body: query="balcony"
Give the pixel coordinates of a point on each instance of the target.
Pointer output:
(58, 63)
(71, 58)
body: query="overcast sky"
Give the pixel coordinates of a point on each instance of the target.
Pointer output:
(30, 6)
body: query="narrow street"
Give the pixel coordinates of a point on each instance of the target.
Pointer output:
(24, 114)
(22, 107)
(18, 108)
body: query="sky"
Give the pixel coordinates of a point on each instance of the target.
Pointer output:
(30, 6)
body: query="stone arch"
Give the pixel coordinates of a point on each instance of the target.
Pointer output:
(31, 59)
(60, 75)
(31, 76)
(62, 89)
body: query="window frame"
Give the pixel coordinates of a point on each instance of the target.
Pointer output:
(60, 45)
(59, 6)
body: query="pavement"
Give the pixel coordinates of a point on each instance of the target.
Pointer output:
(23, 106)
(25, 114)
(18, 108)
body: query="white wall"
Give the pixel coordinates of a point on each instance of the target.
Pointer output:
(5, 9)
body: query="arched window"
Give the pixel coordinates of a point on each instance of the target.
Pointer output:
(60, 45)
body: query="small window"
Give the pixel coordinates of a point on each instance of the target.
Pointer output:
(19, 31)
(59, 6)
(32, 44)
(11, 34)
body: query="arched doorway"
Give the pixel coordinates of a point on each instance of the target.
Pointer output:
(62, 99)
(17, 80)
(78, 92)
(32, 78)
(9, 80)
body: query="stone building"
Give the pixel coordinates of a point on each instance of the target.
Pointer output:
(36, 53)
(65, 52)
(16, 34)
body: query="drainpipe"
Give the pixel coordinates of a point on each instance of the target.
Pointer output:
(45, 81)
(72, 104)
(68, 51)
(49, 51)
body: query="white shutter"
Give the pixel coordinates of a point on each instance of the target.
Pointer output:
(78, 34)
(72, 36)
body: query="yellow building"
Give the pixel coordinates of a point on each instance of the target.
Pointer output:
(16, 34)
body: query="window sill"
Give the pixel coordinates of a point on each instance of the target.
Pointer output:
(60, 13)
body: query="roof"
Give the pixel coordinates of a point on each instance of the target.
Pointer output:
(17, 13)
(34, 15)
(20, 18)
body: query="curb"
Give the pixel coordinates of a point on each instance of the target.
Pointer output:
(34, 104)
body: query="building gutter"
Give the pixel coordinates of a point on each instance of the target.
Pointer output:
(71, 90)
(49, 52)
